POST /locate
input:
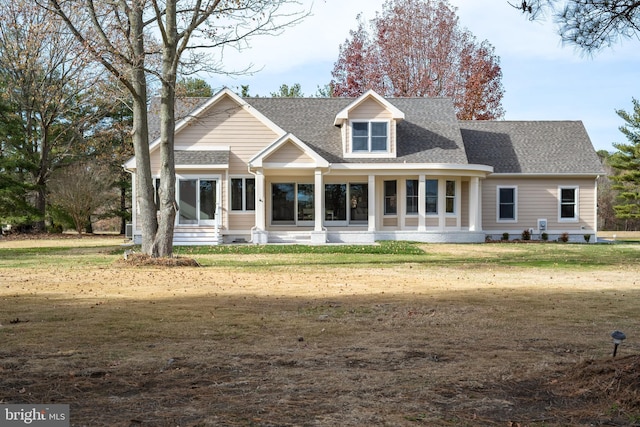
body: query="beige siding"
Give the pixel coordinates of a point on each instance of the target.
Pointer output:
(241, 221)
(538, 199)
(390, 222)
(432, 221)
(289, 153)
(225, 124)
(411, 221)
(370, 109)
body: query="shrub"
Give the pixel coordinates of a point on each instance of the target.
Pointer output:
(587, 237)
(526, 235)
(564, 237)
(505, 236)
(544, 236)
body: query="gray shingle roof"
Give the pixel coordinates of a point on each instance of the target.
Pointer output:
(192, 157)
(429, 133)
(536, 147)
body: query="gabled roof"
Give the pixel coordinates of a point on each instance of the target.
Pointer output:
(370, 94)
(188, 110)
(429, 133)
(531, 147)
(258, 160)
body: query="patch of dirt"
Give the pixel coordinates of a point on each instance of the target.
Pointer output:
(140, 260)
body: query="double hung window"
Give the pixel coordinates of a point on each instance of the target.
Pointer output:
(243, 194)
(507, 203)
(369, 137)
(568, 201)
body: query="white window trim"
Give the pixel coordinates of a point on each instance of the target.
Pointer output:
(435, 214)
(244, 209)
(198, 177)
(456, 197)
(406, 197)
(515, 204)
(369, 154)
(576, 217)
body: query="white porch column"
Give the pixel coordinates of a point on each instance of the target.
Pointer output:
(261, 206)
(442, 204)
(317, 201)
(372, 203)
(474, 205)
(422, 203)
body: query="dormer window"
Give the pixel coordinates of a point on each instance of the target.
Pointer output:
(370, 136)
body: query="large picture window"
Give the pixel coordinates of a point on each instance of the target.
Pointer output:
(346, 202)
(369, 137)
(283, 198)
(568, 203)
(243, 194)
(507, 203)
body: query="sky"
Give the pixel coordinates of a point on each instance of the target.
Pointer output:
(542, 78)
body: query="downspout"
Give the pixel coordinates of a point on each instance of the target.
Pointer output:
(134, 204)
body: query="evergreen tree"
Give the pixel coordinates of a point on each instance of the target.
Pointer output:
(627, 161)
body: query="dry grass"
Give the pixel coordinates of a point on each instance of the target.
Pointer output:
(284, 345)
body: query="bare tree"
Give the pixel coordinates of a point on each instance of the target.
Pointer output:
(47, 83)
(417, 48)
(189, 30)
(589, 24)
(80, 190)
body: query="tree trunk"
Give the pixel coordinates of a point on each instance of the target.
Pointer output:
(146, 206)
(168, 205)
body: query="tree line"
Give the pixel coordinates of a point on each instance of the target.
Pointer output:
(76, 78)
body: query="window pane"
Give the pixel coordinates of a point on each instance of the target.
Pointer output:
(207, 199)
(283, 198)
(379, 129)
(451, 197)
(360, 136)
(567, 211)
(236, 194)
(250, 191)
(305, 202)
(390, 202)
(378, 137)
(567, 203)
(359, 202)
(335, 200)
(157, 194)
(506, 195)
(432, 195)
(507, 203)
(568, 195)
(188, 196)
(412, 196)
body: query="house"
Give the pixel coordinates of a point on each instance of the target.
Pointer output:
(359, 170)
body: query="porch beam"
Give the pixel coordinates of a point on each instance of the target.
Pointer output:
(372, 203)
(318, 201)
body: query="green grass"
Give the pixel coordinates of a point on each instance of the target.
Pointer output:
(549, 255)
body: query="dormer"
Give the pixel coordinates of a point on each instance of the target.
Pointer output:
(369, 127)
